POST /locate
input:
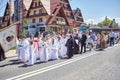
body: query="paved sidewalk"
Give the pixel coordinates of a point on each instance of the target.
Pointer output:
(11, 54)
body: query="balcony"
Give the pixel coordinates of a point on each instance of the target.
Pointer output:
(59, 23)
(64, 1)
(68, 16)
(66, 8)
(80, 19)
(36, 7)
(6, 20)
(59, 15)
(37, 15)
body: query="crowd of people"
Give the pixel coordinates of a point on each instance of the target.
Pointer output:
(59, 46)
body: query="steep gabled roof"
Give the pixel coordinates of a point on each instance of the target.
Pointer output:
(54, 14)
(46, 5)
(27, 3)
(53, 3)
(7, 7)
(12, 8)
(37, 7)
(78, 14)
(76, 11)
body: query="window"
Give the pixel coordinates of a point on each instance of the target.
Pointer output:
(33, 20)
(40, 11)
(35, 4)
(40, 3)
(40, 20)
(32, 26)
(35, 12)
(56, 19)
(42, 29)
(7, 12)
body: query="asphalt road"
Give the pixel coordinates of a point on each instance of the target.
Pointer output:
(95, 65)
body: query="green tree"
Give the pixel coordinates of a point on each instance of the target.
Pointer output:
(105, 22)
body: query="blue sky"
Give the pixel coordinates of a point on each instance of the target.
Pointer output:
(97, 9)
(91, 9)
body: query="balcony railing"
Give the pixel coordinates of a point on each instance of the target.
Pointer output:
(59, 23)
(36, 7)
(5, 20)
(64, 1)
(59, 15)
(37, 15)
(71, 17)
(66, 8)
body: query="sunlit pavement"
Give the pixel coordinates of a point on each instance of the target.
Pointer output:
(95, 65)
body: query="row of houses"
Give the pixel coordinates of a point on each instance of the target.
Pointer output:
(47, 15)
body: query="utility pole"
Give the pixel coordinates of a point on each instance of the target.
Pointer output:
(21, 27)
(21, 16)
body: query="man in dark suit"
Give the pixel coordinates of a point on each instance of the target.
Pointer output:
(83, 42)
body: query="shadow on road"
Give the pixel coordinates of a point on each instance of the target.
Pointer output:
(12, 62)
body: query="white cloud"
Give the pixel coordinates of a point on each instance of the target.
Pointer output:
(117, 20)
(92, 21)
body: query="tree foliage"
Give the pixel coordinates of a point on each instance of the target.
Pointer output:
(106, 22)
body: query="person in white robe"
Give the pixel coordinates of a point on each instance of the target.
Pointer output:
(36, 46)
(24, 50)
(63, 49)
(31, 60)
(58, 44)
(54, 50)
(42, 50)
(18, 49)
(47, 46)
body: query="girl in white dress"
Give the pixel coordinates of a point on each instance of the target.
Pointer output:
(58, 45)
(54, 50)
(63, 49)
(32, 58)
(24, 50)
(18, 49)
(47, 48)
